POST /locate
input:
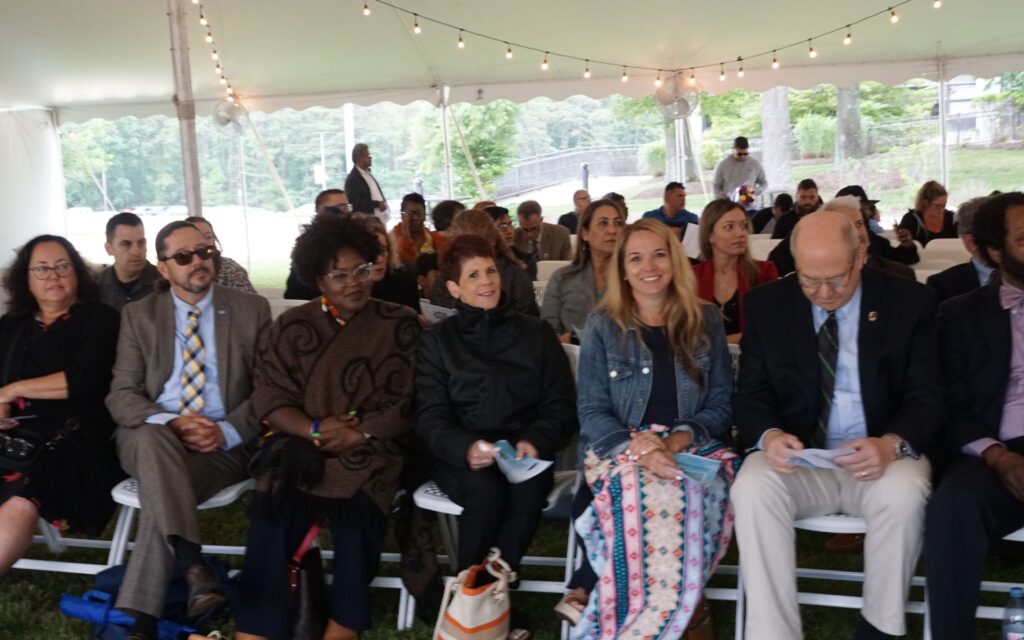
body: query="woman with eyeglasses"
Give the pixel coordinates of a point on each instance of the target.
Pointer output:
(728, 270)
(574, 290)
(411, 235)
(392, 282)
(929, 219)
(507, 231)
(57, 345)
(335, 386)
(655, 381)
(485, 375)
(229, 273)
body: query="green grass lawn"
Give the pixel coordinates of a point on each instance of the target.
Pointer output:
(28, 599)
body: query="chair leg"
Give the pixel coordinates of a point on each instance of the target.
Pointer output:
(51, 536)
(927, 616)
(740, 603)
(410, 611)
(122, 533)
(449, 526)
(403, 604)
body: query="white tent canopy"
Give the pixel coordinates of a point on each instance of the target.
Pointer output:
(109, 58)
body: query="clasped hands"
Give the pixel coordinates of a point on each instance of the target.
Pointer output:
(481, 453)
(868, 461)
(340, 433)
(197, 433)
(654, 453)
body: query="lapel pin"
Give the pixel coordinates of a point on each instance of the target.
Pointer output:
(872, 316)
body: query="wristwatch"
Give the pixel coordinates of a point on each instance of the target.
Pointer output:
(900, 447)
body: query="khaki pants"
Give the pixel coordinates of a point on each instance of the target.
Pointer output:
(766, 503)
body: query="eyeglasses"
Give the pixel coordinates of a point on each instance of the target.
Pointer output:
(415, 214)
(835, 283)
(62, 269)
(504, 226)
(361, 273)
(742, 153)
(185, 257)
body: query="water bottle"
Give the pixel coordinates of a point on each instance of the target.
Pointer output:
(1013, 615)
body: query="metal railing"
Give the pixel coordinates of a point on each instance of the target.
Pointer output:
(554, 168)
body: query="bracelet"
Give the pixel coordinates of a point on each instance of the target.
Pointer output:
(314, 431)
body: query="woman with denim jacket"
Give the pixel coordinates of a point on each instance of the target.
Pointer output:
(655, 381)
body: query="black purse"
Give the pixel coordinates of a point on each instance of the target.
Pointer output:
(21, 447)
(307, 593)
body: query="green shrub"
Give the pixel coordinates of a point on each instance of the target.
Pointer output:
(652, 158)
(710, 153)
(816, 136)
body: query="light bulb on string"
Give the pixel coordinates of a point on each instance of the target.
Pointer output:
(416, 25)
(223, 80)
(462, 43)
(721, 73)
(215, 55)
(893, 18)
(937, 4)
(848, 40)
(775, 61)
(231, 99)
(195, 1)
(544, 65)
(209, 37)
(219, 70)
(366, 9)
(202, 20)
(693, 78)
(810, 50)
(657, 81)
(586, 71)
(625, 76)
(230, 91)
(739, 72)
(508, 52)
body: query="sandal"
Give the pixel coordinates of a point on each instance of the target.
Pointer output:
(571, 607)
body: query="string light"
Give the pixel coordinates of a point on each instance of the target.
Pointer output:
(693, 78)
(219, 70)
(848, 40)
(739, 72)
(586, 72)
(657, 81)
(195, 1)
(366, 9)
(508, 52)
(810, 50)
(416, 25)
(215, 55)
(209, 38)
(937, 4)
(202, 20)
(544, 65)
(775, 61)
(721, 73)
(223, 80)
(893, 18)
(462, 43)
(625, 76)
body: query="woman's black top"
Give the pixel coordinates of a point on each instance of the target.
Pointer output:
(662, 405)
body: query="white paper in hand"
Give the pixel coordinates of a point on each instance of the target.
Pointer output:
(691, 241)
(517, 470)
(819, 458)
(435, 313)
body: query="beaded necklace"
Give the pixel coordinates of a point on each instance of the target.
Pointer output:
(330, 309)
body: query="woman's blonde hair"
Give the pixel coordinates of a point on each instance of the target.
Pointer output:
(375, 225)
(683, 313)
(479, 223)
(928, 193)
(708, 219)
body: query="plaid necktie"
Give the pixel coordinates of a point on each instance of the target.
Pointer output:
(192, 375)
(828, 355)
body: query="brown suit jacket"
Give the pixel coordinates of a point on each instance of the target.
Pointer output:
(554, 242)
(145, 356)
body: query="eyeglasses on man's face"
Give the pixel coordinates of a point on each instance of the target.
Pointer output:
(835, 283)
(341, 277)
(184, 258)
(62, 269)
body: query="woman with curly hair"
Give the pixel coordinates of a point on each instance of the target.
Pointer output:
(335, 387)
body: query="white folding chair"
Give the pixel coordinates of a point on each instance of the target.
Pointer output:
(538, 291)
(761, 247)
(546, 267)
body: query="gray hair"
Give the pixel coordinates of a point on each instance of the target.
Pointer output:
(841, 203)
(359, 150)
(965, 215)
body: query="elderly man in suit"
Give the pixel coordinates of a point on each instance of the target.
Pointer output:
(976, 272)
(361, 188)
(838, 356)
(180, 395)
(980, 498)
(543, 240)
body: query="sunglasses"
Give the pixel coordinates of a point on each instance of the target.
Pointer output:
(185, 257)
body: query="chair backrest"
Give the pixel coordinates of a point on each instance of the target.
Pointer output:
(546, 267)
(572, 241)
(761, 247)
(946, 248)
(270, 293)
(573, 353)
(280, 305)
(922, 275)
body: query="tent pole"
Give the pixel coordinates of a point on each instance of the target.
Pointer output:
(177, 14)
(943, 160)
(448, 176)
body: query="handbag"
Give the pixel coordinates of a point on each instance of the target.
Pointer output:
(470, 610)
(307, 595)
(20, 447)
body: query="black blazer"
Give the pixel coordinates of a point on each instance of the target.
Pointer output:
(779, 379)
(358, 192)
(975, 343)
(955, 281)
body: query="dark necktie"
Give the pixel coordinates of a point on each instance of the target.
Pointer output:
(828, 355)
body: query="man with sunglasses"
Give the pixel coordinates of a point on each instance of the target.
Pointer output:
(738, 169)
(180, 395)
(841, 358)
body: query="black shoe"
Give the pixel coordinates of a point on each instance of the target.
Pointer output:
(206, 599)
(866, 631)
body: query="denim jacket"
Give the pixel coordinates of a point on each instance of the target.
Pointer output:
(615, 378)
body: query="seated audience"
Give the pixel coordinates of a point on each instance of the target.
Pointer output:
(515, 283)
(392, 282)
(180, 398)
(835, 357)
(507, 231)
(334, 200)
(655, 380)
(807, 201)
(57, 343)
(905, 251)
(929, 219)
(486, 374)
(483, 204)
(340, 411)
(764, 220)
(443, 213)
(574, 290)
(131, 277)
(229, 273)
(728, 270)
(619, 201)
(411, 236)
(538, 238)
(580, 201)
(980, 498)
(966, 277)
(329, 202)
(673, 212)
(426, 273)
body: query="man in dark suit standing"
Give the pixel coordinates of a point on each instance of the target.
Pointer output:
(180, 395)
(980, 498)
(363, 190)
(964, 278)
(834, 357)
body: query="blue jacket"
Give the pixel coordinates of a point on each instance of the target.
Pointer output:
(681, 220)
(614, 385)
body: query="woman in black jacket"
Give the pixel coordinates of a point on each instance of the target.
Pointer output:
(487, 374)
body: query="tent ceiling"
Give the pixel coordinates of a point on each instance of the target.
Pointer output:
(111, 57)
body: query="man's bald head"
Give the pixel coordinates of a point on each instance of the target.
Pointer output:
(828, 258)
(580, 200)
(849, 206)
